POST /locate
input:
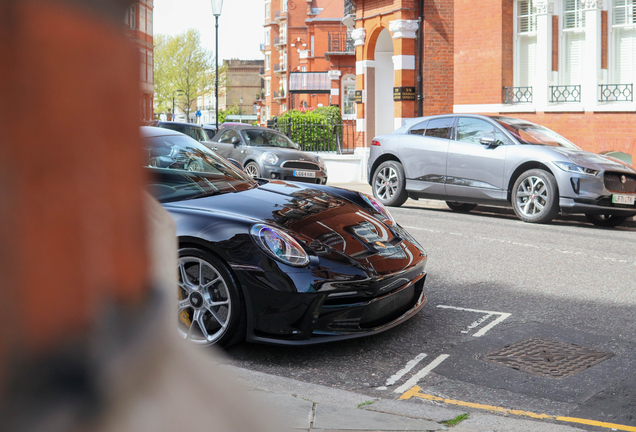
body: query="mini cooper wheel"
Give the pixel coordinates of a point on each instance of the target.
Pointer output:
(460, 207)
(389, 185)
(535, 196)
(608, 221)
(252, 169)
(210, 305)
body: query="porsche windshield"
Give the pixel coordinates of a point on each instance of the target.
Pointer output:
(530, 133)
(181, 168)
(267, 138)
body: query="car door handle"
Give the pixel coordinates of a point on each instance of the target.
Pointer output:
(215, 148)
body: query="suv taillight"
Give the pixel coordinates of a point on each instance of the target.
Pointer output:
(374, 142)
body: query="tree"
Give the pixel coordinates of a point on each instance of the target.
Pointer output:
(181, 63)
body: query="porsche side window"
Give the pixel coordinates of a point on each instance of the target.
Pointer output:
(439, 128)
(419, 129)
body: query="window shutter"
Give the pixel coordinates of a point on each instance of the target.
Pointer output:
(527, 60)
(625, 56)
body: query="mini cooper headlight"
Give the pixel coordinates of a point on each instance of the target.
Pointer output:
(270, 158)
(576, 169)
(378, 206)
(279, 245)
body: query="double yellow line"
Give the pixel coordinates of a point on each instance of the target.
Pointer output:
(415, 392)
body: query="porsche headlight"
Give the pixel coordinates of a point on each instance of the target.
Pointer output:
(576, 169)
(279, 245)
(378, 206)
(270, 158)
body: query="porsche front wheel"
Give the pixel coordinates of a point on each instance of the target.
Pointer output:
(210, 305)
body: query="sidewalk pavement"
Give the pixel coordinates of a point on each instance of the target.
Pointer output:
(302, 406)
(437, 204)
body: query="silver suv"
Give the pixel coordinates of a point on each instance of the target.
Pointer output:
(467, 160)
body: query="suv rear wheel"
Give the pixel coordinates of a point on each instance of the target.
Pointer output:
(389, 184)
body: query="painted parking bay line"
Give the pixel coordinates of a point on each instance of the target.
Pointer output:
(415, 392)
(421, 374)
(399, 374)
(486, 316)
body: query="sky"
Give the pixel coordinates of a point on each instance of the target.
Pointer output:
(240, 24)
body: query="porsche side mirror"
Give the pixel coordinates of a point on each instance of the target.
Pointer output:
(235, 141)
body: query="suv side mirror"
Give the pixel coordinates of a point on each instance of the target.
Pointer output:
(235, 141)
(489, 141)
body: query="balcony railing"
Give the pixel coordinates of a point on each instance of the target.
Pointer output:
(279, 94)
(513, 95)
(349, 8)
(340, 42)
(565, 93)
(616, 93)
(280, 67)
(280, 15)
(280, 40)
(263, 46)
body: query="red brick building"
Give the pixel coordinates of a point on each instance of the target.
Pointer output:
(567, 64)
(139, 28)
(309, 57)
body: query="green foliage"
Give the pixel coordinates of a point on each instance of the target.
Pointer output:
(361, 404)
(181, 63)
(221, 116)
(457, 420)
(318, 129)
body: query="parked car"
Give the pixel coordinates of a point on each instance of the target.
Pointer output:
(278, 262)
(268, 153)
(192, 130)
(210, 130)
(472, 159)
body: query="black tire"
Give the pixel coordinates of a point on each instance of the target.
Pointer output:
(389, 184)
(460, 207)
(212, 313)
(607, 221)
(535, 196)
(252, 169)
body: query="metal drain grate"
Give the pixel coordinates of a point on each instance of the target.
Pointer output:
(545, 357)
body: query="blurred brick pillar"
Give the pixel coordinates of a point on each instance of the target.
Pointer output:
(72, 229)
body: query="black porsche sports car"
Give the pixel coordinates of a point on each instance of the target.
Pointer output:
(280, 262)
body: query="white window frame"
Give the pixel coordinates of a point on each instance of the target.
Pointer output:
(517, 44)
(267, 61)
(562, 41)
(613, 73)
(347, 81)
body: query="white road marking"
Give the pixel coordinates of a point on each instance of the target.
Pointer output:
(487, 316)
(421, 374)
(398, 375)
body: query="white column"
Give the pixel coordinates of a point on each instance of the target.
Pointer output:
(592, 70)
(543, 75)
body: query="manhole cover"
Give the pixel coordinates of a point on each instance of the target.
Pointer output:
(545, 357)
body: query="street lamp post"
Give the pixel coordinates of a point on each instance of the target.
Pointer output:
(216, 11)
(241, 109)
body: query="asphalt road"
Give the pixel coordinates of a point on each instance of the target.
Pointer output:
(538, 318)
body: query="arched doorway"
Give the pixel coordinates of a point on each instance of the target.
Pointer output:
(384, 79)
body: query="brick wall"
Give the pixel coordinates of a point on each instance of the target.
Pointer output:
(438, 61)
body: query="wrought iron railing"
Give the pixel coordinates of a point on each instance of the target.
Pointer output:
(280, 94)
(340, 42)
(280, 15)
(616, 93)
(280, 40)
(319, 136)
(263, 46)
(565, 93)
(513, 95)
(280, 67)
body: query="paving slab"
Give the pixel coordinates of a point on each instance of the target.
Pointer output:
(329, 417)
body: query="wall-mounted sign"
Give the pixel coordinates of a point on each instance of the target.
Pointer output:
(403, 93)
(358, 96)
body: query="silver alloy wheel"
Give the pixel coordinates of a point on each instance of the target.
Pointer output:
(386, 183)
(532, 196)
(252, 170)
(204, 302)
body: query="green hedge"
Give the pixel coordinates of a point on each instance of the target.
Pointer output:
(319, 129)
